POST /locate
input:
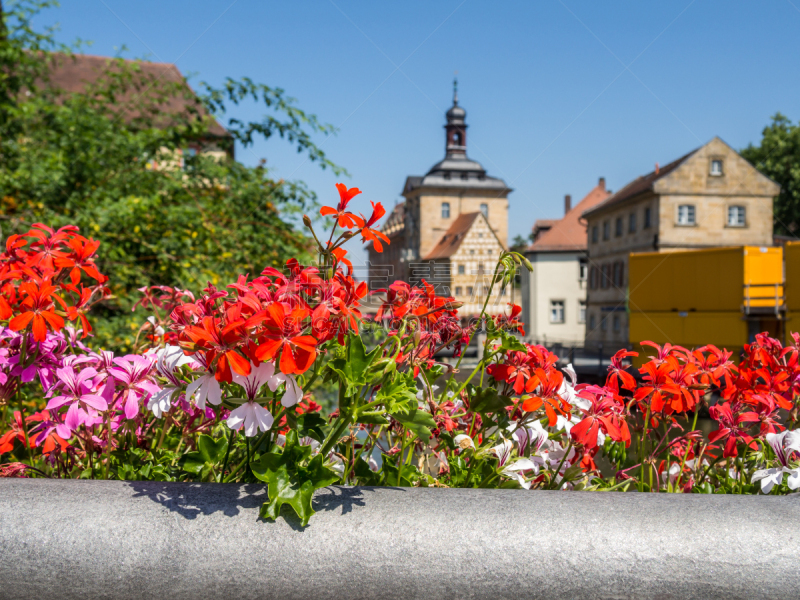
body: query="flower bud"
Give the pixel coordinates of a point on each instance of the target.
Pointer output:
(306, 221)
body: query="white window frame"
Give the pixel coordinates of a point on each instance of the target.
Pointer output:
(687, 217)
(741, 211)
(582, 312)
(714, 172)
(558, 312)
(445, 210)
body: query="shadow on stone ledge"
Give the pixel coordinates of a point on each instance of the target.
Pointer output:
(192, 499)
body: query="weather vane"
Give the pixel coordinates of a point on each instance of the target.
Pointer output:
(455, 87)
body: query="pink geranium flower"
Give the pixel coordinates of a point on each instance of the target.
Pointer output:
(80, 393)
(132, 372)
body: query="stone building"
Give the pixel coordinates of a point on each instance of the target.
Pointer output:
(554, 294)
(428, 224)
(81, 72)
(710, 197)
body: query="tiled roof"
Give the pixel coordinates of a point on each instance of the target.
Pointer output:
(569, 233)
(451, 240)
(640, 185)
(74, 73)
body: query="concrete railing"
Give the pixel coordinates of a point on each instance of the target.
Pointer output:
(91, 540)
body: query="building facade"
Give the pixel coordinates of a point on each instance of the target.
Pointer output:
(553, 297)
(428, 224)
(711, 197)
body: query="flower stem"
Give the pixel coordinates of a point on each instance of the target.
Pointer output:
(227, 455)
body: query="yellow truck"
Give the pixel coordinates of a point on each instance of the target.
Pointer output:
(720, 296)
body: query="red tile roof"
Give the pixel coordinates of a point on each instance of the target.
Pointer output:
(569, 233)
(73, 74)
(640, 184)
(451, 240)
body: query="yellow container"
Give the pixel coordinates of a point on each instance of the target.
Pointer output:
(714, 280)
(792, 257)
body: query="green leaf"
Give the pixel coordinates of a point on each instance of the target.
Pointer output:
(508, 341)
(487, 400)
(399, 394)
(371, 418)
(311, 424)
(212, 451)
(192, 462)
(352, 370)
(418, 421)
(290, 481)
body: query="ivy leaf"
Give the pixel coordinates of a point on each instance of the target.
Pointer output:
(209, 453)
(418, 421)
(289, 481)
(487, 400)
(399, 394)
(212, 451)
(508, 341)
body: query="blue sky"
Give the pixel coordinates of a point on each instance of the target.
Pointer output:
(557, 93)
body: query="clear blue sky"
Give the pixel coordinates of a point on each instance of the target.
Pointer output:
(557, 93)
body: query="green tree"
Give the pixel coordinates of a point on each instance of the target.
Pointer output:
(778, 157)
(109, 160)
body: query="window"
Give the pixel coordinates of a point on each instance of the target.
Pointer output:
(606, 279)
(595, 234)
(619, 273)
(606, 230)
(618, 227)
(469, 290)
(591, 322)
(583, 268)
(480, 268)
(647, 218)
(686, 214)
(556, 311)
(736, 216)
(458, 290)
(472, 251)
(485, 210)
(716, 168)
(593, 275)
(461, 269)
(480, 235)
(616, 323)
(445, 210)
(603, 323)
(457, 138)
(632, 223)
(581, 311)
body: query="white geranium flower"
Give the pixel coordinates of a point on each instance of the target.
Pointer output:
(251, 415)
(769, 478)
(293, 393)
(463, 441)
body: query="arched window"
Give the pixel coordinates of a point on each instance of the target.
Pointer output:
(485, 210)
(445, 210)
(458, 139)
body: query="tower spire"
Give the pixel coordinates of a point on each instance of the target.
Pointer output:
(455, 90)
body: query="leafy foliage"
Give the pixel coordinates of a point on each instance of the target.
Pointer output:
(108, 160)
(778, 157)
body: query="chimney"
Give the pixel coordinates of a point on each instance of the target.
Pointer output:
(602, 183)
(567, 203)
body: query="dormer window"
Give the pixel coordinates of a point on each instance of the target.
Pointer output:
(716, 168)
